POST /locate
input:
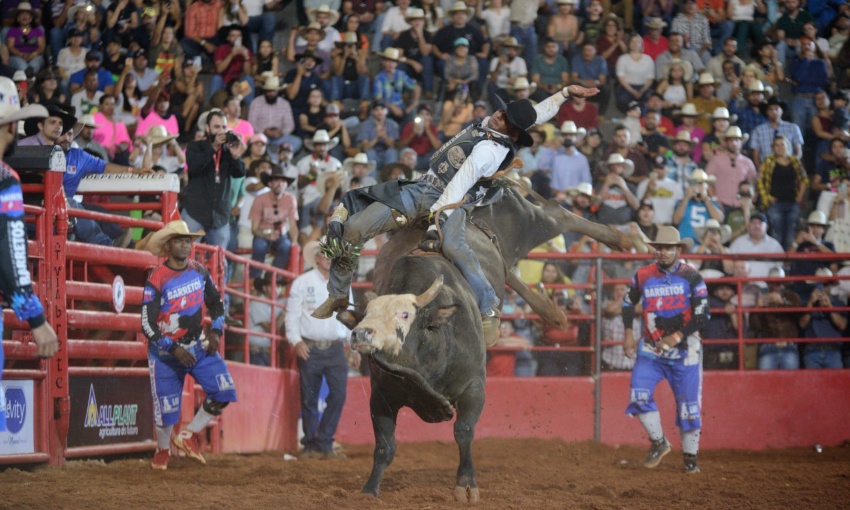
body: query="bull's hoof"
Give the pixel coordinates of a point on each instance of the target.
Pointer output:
(331, 305)
(467, 495)
(373, 491)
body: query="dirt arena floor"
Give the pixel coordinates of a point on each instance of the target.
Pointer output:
(512, 474)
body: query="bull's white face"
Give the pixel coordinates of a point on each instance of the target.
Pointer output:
(389, 319)
(386, 324)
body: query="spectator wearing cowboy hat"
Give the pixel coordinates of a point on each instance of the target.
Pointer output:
(721, 325)
(618, 200)
(507, 67)
(310, 168)
(676, 50)
(274, 220)
(310, 39)
(271, 115)
(26, 40)
(85, 139)
(731, 167)
(763, 135)
(654, 43)
(750, 111)
(46, 131)
(360, 168)
(391, 83)
(350, 74)
(690, 117)
(712, 238)
(663, 191)
(705, 102)
(811, 240)
(421, 135)
(697, 206)
(444, 39)
(417, 46)
(326, 18)
(621, 143)
(378, 135)
(713, 142)
(338, 128)
(569, 167)
(680, 165)
(162, 150)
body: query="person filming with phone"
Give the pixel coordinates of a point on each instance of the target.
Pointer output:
(697, 207)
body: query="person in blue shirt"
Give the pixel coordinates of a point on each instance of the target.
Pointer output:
(105, 80)
(697, 207)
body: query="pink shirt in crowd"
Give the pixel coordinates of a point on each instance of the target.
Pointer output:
(110, 133)
(153, 119)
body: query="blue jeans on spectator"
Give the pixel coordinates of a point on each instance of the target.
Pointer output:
(745, 30)
(783, 218)
(721, 31)
(772, 357)
(802, 110)
(382, 156)
(19, 64)
(822, 357)
(328, 363)
(57, 41)
(88, 230)
(213, 236)
(260, 358)
(527, 37)
(281, 246)
(263, 26)
(343, 89)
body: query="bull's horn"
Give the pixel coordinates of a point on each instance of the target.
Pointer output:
(429, 295)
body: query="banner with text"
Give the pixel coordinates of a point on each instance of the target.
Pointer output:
(110, 410)
(16, 399)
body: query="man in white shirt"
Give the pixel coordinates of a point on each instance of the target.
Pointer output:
(320, 347)
(310, 167)
(259, 22)
(757, 241)
(477, 152)
(664, 192)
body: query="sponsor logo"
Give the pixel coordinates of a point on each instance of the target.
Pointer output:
(72, 169)
(111, 420)
(170, 404)
(148, 295)
(225, 382)
(18, 235)
(12, 201)
(689, 411)
(640, 395)
(666, 290)
(183, 290)
(16, 408)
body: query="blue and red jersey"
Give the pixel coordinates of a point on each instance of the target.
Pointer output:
(173, 305)
(15, 280)
(672, 301)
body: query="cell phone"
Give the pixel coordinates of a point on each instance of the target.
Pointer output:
(196, 62)
(238, 43)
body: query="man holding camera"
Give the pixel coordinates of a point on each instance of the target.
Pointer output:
(697, 207)
(211, 162)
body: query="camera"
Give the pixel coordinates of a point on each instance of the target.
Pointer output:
(418, 120)
(231, 138)
(744, 195)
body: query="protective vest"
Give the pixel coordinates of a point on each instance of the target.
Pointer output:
(447, 160)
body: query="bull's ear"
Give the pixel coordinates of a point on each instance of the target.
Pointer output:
(370, 296)
(349, 318)
(442, 315)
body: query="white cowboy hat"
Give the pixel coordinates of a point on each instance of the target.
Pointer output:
(309, 253)
(706, 78)
(359, 159)
(10, 106)
(756, 86)
(311, 13)
(72, 12)
(321, 136)
(569, 128)
(689, 110)
(202, 118)
(511, 42)
(735, 132)
(817, 217)
(669, 236)
(322, 179)
(721, 112)
(711, 274)
(712, 224)
(19, 76)
(271, 83)
(348, 38)
(654, 23)
(684, 136)
(314, 25)
(172, 229)
(687, 67)
(24, 7)
(522, 83)
(87, 120)
(617, 159)
(584, 188)
(699, 175)
(392, 54)
(414, 13)
(158, 135)
(458, 7)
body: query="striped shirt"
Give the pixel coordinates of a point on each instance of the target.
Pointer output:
(390, 88)
(263, 115)
(202, 19)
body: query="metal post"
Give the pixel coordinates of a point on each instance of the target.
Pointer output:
(597, 369)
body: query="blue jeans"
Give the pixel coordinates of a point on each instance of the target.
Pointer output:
(376, 219)
(19, 64)
(745, 30)
(217, 82)
(721, 31)
(330, 364)
(460, 254)
(263, 26)
(802, 110)
(342, 89)
(527, 37)
(88, 230)
(822, 358)
(213, 236)
(783, 218)
(57, 41)
(772, 357)
(281, 247)
(382, 157)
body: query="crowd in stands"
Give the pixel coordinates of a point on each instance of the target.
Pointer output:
(726, 119)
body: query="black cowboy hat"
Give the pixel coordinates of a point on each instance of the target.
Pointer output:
(311, 54)
(277, 173)
(773, 100)
(53, 110)
(266, 279)
(386, 170)
(520, 113)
